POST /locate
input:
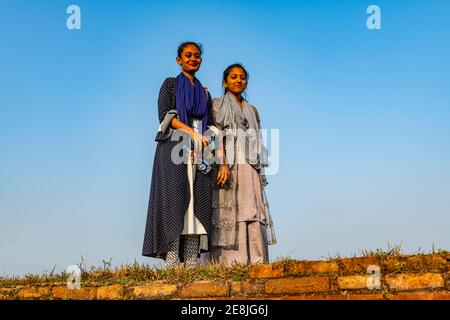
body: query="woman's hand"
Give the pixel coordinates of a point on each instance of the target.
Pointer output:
(224, 174)
(199, 140)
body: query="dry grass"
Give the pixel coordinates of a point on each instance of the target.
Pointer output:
(381, 254)
(132, 274)
(135, 273)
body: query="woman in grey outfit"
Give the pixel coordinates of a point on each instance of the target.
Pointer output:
(242, 226)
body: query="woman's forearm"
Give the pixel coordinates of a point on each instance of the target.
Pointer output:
(220, 146)
(178, 125)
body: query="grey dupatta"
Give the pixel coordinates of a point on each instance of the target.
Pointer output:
(233, 121)
(244, 125)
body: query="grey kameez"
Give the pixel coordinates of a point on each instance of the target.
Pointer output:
(239, 212)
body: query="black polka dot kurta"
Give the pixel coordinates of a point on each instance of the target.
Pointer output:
(169, 192)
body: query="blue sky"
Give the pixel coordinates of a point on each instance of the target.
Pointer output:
(363, 118)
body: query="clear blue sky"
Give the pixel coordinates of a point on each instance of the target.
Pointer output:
(364, 120)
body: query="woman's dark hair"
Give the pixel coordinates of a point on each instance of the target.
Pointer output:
(228, 70)
(189, 43)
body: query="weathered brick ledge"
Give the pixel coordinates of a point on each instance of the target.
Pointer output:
(403, 277)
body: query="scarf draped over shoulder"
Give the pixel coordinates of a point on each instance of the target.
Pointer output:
(191, 101)
(229, 117)
(244, 126)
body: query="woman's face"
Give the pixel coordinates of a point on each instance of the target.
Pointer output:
(236, 81)
(191, 59)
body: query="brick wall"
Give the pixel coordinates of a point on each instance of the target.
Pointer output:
(404, 277)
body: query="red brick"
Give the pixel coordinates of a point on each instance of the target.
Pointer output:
(6, 294)
(154, 291)
(250, 288)
(404, 282)
(62, 292)
(352, 265)
(114, 292)
(33, 293)
(235, 288)
(427, 263)
(306, 267)
(352, 282)
(448, 280)
(324, 267)
(297, 285)
(204, 289)
(264, 271)
(394, 264)
(308, 297)
(419, 296)
(341, 297)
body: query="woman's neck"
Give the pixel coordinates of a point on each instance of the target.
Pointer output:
(238, 97)
(190, 76)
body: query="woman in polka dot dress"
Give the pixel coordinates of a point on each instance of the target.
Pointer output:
(179, 210)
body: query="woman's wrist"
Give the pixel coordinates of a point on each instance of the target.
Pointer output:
(190, 132)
